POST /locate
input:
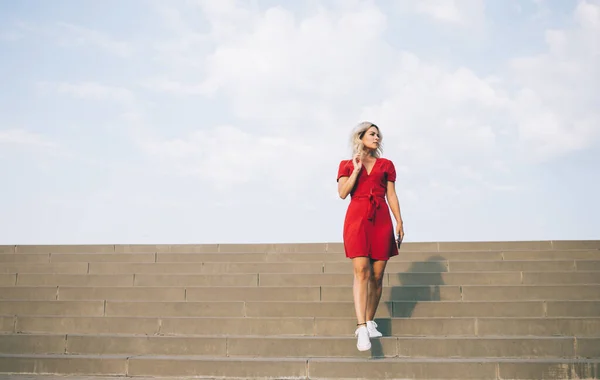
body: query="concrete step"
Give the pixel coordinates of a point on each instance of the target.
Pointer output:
(16, 376)
(465, 326)
(120, 280)
(143, 293)
(313, 346)
(35, 307)
(58, 258)
(302, 293)
(427, 309)
(206, 268)
(25, 258)
(40, 293)
(404, 256)
(257, 257)
(302, 368)
(470, 293)
(394, 266)
(301, 309)
(101, 257)
(7, 279)
(399, 279)
(442, 368)
(211, 248)
(289, 279)
(60, 268)
(301, 247)
(564, 278)
(308, 326)
(7, 324)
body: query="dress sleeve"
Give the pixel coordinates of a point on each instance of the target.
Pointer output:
(391, 172)
(343, 170)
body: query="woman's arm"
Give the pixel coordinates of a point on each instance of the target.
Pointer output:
(346, 184)
(392, 198)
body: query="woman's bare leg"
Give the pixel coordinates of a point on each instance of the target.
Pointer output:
(362, 273)
(375, 288)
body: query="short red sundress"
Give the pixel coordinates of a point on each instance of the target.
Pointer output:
(368, 228)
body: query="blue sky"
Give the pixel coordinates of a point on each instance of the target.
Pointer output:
(197, 121)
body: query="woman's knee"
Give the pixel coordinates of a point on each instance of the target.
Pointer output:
(378, 273)
(362, 272)
(377, 278)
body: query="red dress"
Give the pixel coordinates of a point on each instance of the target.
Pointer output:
(368, 228)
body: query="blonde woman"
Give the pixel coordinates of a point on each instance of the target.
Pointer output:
(369, 239)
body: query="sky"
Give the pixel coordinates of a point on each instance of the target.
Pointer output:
(205, 121)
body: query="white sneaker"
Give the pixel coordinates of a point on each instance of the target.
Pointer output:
(363, 343)
(372, 328)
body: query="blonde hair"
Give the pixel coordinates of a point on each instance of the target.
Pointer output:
(357, 135)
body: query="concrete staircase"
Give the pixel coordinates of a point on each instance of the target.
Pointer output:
(489, 310)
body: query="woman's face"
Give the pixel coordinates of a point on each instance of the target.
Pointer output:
(371, 138)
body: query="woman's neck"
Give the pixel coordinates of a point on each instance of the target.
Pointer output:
(368, 154)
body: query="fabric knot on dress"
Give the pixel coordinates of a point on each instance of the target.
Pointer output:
(373, 207)
(374, 204)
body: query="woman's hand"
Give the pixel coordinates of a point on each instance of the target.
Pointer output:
(400, 232)
(357, 161)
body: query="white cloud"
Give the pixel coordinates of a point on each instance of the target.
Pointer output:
(435, 114)
(10, 36)
(225, 156)
(70, 35)
(588, 15)
(174, 87)
(227, 18)
(294, 63)
(90, 90)
(75, 35)
(555, 106)
(463, 13)
(25, 138)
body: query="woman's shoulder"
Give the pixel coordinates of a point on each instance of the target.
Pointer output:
(387, 164)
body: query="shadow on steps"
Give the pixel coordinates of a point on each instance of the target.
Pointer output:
(421, 282)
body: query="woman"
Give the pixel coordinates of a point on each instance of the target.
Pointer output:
(368, 230)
